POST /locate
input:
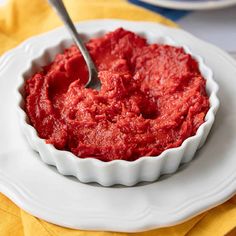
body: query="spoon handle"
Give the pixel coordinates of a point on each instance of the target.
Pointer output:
(59, 6)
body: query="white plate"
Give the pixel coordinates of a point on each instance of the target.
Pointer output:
(209, 180)
(192, 4)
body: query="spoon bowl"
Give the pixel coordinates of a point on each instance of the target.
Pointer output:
(93, 81)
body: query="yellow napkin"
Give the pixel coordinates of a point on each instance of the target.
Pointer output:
(20, 19)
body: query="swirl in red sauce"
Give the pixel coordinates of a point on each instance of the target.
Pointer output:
(152, 98)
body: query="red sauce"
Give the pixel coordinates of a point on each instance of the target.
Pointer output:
(152, 98)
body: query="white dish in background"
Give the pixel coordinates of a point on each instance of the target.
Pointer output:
(123, 172)
(209, 180)
(192, 4)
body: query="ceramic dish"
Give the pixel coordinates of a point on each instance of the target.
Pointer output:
(192, 4)
(39, 189)
(117, 171)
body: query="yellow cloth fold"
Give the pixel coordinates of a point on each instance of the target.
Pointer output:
(216, 222)
(20, 19)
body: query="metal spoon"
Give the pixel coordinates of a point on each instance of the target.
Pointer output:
(93, 81)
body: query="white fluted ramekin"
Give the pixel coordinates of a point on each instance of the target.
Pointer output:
(117, 171)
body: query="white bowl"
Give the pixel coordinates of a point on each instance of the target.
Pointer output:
(117, 171)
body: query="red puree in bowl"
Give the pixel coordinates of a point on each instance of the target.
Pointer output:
(152, 98)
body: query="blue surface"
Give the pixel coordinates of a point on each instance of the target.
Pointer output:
(174, 15)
